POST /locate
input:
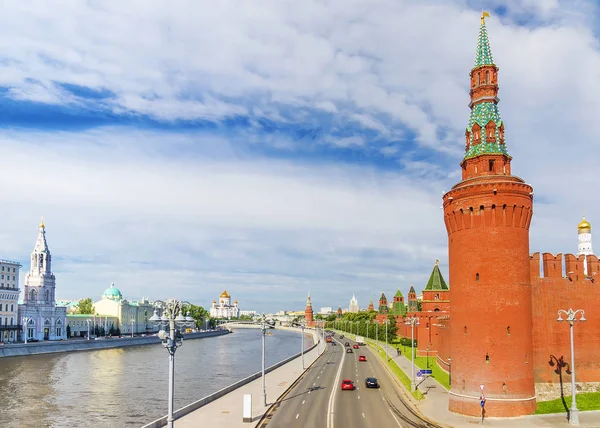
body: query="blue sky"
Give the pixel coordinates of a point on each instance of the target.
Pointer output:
(275, 148)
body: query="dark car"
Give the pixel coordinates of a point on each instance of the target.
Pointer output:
(371, 382)
(333, 344)
(341, 336)
(349, 350)
(346, 344)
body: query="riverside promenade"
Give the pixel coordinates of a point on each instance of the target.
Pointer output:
(435, 405)
(226, 411)
(73, 345)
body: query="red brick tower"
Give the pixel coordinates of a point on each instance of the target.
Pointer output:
(487, 217)
(308, 313)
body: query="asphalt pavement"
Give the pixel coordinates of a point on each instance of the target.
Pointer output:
(318, 400)
(306, 405)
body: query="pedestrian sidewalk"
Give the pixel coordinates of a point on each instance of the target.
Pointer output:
(435, 406)
(227, 410)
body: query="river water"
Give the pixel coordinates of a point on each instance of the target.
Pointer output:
(129, 386)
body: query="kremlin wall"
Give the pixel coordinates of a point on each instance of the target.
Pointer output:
(495, 328)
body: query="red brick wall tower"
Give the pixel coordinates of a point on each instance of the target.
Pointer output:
(308, 313)
(487, 217)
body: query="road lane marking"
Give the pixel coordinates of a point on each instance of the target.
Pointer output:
(318, 377)
(303, 401)
(396, 419)
(363, 415)
(297, 415)
(309, 392)
(314, 383)
(331, 404)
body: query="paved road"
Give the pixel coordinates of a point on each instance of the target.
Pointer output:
(306, 405)
(318, 401)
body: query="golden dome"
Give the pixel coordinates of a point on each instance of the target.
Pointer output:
(42, 224)
(225, 295)
(235, 302)
(214, 301)
(584, 225)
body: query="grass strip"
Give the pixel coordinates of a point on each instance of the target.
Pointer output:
(585, 401)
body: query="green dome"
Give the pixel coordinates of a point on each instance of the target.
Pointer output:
(112, 293)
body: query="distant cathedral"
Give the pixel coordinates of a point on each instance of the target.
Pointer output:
(224, 309)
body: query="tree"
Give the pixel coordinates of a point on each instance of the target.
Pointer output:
(198, 313)
(85, 306)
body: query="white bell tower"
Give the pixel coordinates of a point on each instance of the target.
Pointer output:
(40, 282)
(584, 241)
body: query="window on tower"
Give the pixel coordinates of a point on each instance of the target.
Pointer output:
(487, 77)
(492, 165)
(476, 277)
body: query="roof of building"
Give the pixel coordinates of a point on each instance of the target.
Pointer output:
(398, 293)
(483, 55)
(383, 296)
(412, 289)
(112, 293)
(436, 280)
(225, 295)
(584, 225)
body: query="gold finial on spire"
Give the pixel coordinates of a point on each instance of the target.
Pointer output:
(483, 16)
(437, 262)
(42, 223)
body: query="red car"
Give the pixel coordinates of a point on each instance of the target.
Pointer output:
(362, 358)
(348, 384)
(355, 346)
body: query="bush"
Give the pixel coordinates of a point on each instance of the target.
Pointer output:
(405, 341)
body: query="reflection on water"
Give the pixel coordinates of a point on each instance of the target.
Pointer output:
(128, 386)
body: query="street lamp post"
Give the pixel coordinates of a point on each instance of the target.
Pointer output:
(88, 323)
(571, 318)
(302, 327)
(412, 321)
(427, 357)
(264, 333)
(449, 371)
(387, 348)
(377, 335)
(132, 322)
(173, 314)
(26, 327)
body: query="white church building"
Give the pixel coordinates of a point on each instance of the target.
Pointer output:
(224, 309)
(42, 319)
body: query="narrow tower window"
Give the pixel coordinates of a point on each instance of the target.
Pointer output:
(508, 330)
(492, 165)
(465, 330)
(504, 387)
(487, 77)
(476, 277)
(487, 358)
(479, 78)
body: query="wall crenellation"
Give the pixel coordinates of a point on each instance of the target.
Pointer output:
(488, 215)
(566, 266)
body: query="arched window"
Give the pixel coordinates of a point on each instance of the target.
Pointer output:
(33, 295)
(476, 277)
(47, 295)
(41, 261)
(487, 77)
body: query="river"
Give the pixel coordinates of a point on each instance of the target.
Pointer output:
(129, 386)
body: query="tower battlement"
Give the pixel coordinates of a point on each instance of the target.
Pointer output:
(566, 266)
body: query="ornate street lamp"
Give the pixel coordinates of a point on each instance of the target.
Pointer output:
(412, 321)
(264, 333)
(173, 315)
(571, 318)
(88, 323)
(26, 327)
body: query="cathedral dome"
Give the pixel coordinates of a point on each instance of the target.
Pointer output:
(584, 225)
(112, 293)
(225, 295)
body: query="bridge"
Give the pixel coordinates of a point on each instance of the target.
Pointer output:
(243, 324)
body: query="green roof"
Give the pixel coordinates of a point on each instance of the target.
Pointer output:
(436, 280)
(412, 289)
(482, 114)
(484, 52)
(398, 293)
(112, 293)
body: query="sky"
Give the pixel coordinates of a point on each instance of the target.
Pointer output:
(278, 147)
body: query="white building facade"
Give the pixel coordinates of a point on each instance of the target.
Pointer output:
(353, 305)
(41, 318)
(9, 301)
(224, 309)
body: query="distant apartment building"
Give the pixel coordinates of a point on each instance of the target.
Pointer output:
(9, 300)
(248, 313)
(327, 310)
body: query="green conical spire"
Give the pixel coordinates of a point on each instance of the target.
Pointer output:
(436, 280)
(484, 52)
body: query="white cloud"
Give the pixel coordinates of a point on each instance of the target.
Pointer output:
(212, 216)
